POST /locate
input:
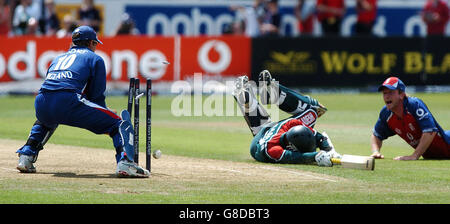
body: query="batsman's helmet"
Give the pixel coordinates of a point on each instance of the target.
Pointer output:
(301, 138)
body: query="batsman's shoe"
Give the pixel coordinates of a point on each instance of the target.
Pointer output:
(241, 83)
(323, 158)
(265, 77)
(268, 89)
(241, 91)
(126, 168)
(26, 164)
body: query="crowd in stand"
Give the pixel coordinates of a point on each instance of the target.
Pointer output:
(262, 18)
(39, 18)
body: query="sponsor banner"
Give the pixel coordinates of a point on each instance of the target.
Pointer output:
(138, 56)
(203, 17)
(353, 61)
(185, 19)
(223, 56)
(28, 58)
(395, 18)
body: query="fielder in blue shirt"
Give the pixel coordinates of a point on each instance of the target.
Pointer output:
(73, 94)
(409, 118)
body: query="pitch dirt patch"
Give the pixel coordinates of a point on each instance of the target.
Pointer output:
(91, 168)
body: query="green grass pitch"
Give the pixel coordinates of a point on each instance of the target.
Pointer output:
(348, 122)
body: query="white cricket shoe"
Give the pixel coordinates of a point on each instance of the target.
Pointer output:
(26, 164)
(265, 77)
(241, 82)
(126, 168)
(268, 87)
(241, 90)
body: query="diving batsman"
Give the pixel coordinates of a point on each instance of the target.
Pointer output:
(291, 140)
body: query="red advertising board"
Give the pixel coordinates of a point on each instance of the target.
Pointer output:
(25, 58)
(225, 56)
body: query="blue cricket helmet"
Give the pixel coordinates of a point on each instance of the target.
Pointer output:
(84, 33)
(393, 83)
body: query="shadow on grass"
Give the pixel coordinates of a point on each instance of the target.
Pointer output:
(75, 175)
(96, 176)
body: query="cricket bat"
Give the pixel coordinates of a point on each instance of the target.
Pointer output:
(355, 162)
(352, 161)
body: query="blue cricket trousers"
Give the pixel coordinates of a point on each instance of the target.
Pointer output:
(69, 108)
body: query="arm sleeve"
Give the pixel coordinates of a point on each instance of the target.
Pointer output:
(381, 129)
(423, 116)
(289, 156)
(321, 142)
(95, 91)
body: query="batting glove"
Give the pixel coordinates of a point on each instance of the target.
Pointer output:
(323, 158)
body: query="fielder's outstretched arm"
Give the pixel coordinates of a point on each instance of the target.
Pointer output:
(425, 142)
(376, 144)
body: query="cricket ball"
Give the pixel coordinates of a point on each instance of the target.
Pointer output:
(157, 154)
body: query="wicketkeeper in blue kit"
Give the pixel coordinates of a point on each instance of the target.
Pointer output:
(73, 94)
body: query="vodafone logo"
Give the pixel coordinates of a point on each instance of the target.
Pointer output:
(23, 59)
(214, 66)
(154, 67)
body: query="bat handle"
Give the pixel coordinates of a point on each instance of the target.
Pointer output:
(336, 161)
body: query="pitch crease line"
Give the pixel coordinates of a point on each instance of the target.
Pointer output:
(301, 174)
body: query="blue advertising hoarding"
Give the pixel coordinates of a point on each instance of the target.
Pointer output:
(187, 20)
(394, 19)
